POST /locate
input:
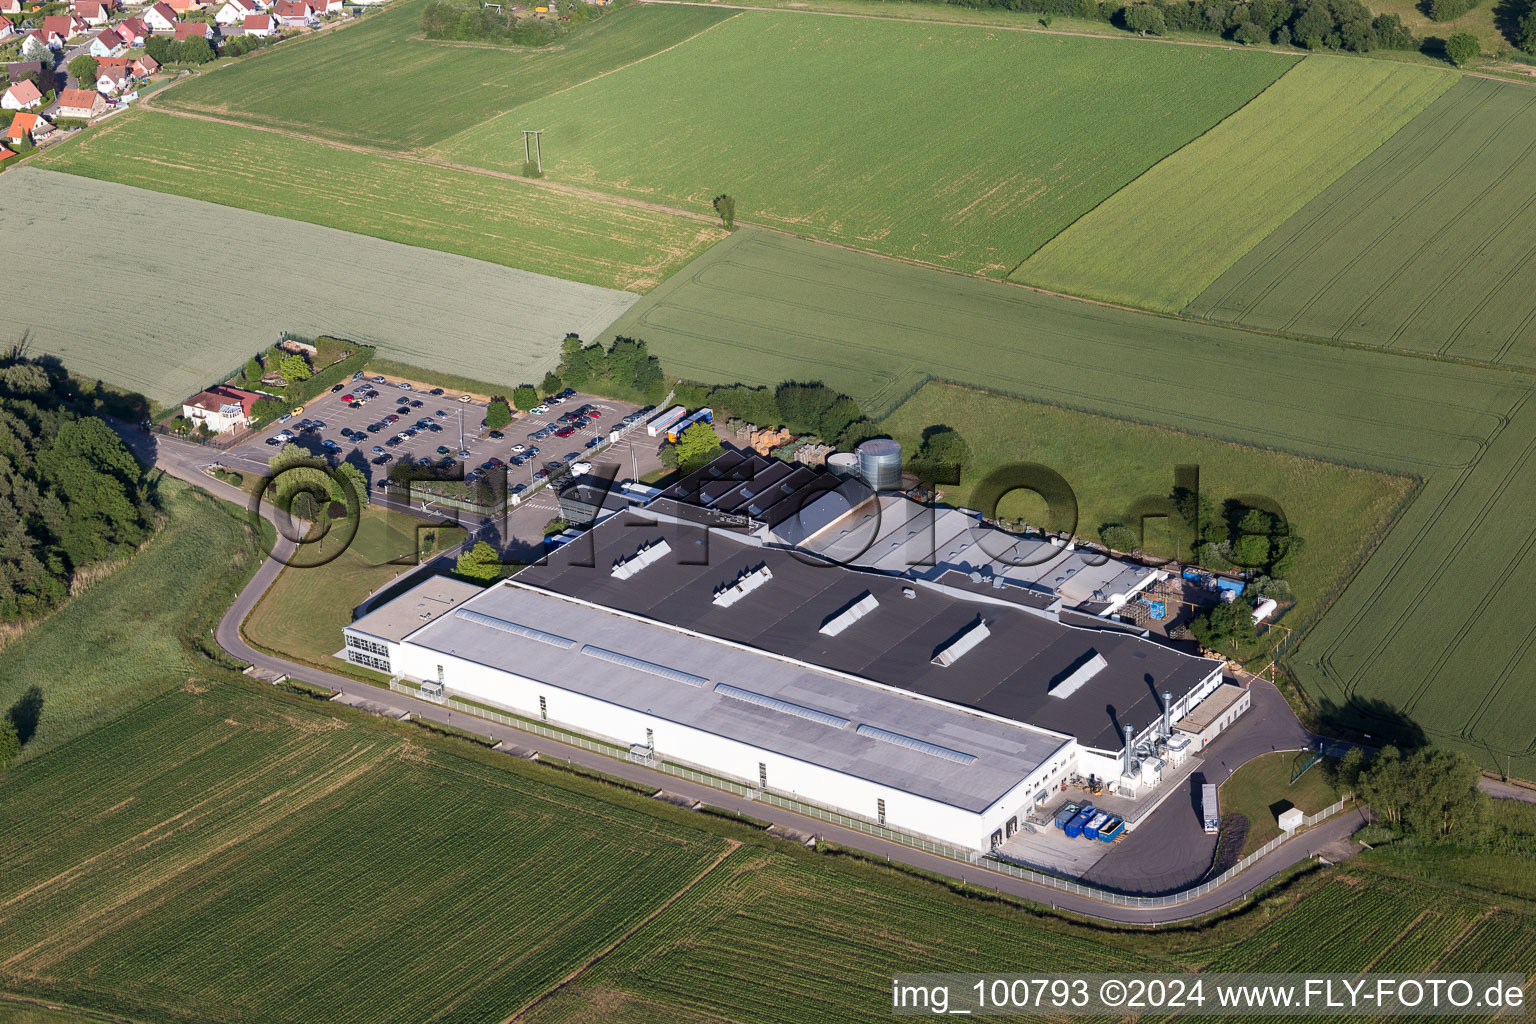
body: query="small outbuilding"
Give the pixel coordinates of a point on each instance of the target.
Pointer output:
(1291, 819)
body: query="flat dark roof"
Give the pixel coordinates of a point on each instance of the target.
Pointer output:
(1009, 674)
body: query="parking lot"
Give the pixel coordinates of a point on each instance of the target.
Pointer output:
(375, 424)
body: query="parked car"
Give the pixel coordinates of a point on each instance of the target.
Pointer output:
(392, 418)
(531, 452)
(285, 417)
(274, 440)
(377, 450)
(464, 454)
(404, 410)
(358, 375)
(540, 475)
(415, 403)
(593, 414)
(440, 412)
(465, 398)
(378, 380)
(337, 388)
(349, 399)
(565, 431)
(496, 435)
(518, 447)
(519, 489)
(435, 391)
(379, 461)
(404, 386)
(594, 442)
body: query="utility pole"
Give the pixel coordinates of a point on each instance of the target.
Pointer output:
(536, 155)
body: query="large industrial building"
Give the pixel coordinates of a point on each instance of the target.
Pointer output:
(937, 703)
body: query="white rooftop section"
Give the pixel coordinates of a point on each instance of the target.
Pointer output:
(849, 615)
(1080, 676)
(750, 696)
(647, 554)
(415, 608)
(969, 637)
(897, 535)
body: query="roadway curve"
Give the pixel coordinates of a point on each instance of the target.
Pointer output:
(186, 461)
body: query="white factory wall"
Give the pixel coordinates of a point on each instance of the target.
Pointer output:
(812, 783)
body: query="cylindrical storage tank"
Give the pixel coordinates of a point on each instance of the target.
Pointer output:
(844, 464)
(880, 464)
(1263, 610)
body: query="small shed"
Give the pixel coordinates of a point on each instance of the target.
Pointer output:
(1291, 819)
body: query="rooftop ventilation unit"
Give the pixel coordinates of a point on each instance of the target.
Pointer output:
(969, 637)
(645, 556)
(912, 743)
(762, 700)
(909, 593)
(861, 607)
(744, 585)
(641, 665)
(1079, 676)
(516, 629)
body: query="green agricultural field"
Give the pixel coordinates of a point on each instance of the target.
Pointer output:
(1111, 463)
(767, 940)
(223, 292)
(1167, 235)
(381, 83)
(1428, 244)
(125, 638)
(1449, 577)
(499, 220)
(303, 612)
(958, 146)
(232, 855)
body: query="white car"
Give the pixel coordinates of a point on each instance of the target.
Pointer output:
(519, 447)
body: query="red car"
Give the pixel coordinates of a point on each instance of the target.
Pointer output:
(349, 398)
(391, 418)
(565, 431)
(593, 414)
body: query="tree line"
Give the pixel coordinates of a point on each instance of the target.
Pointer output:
(1311, 24)
(71, 494)
(464, 21)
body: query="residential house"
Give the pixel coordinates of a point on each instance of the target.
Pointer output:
(8, 28)
(106, 43)
(39, 45)
(92, 12)
(10, 6)
(294, 13)
(160, 18)
(188, 29)
(65, 26)
(234, 12)
(183, 6)
(114, 79)
(132, 30)
(22, 128)
(5, 154)
(144, 66)
(325, 7)
(81, 103)
(220, 408)
(19, 69)
(257, 25)
(21, 96)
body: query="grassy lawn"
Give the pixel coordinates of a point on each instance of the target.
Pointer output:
(1262, 788)
(498, 220)
(1162, 239)
(907, 169)
(1111, 463)
(1426, 244)
(303, 612)
(127, 638)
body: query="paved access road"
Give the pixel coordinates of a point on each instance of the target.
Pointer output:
(185, 461)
